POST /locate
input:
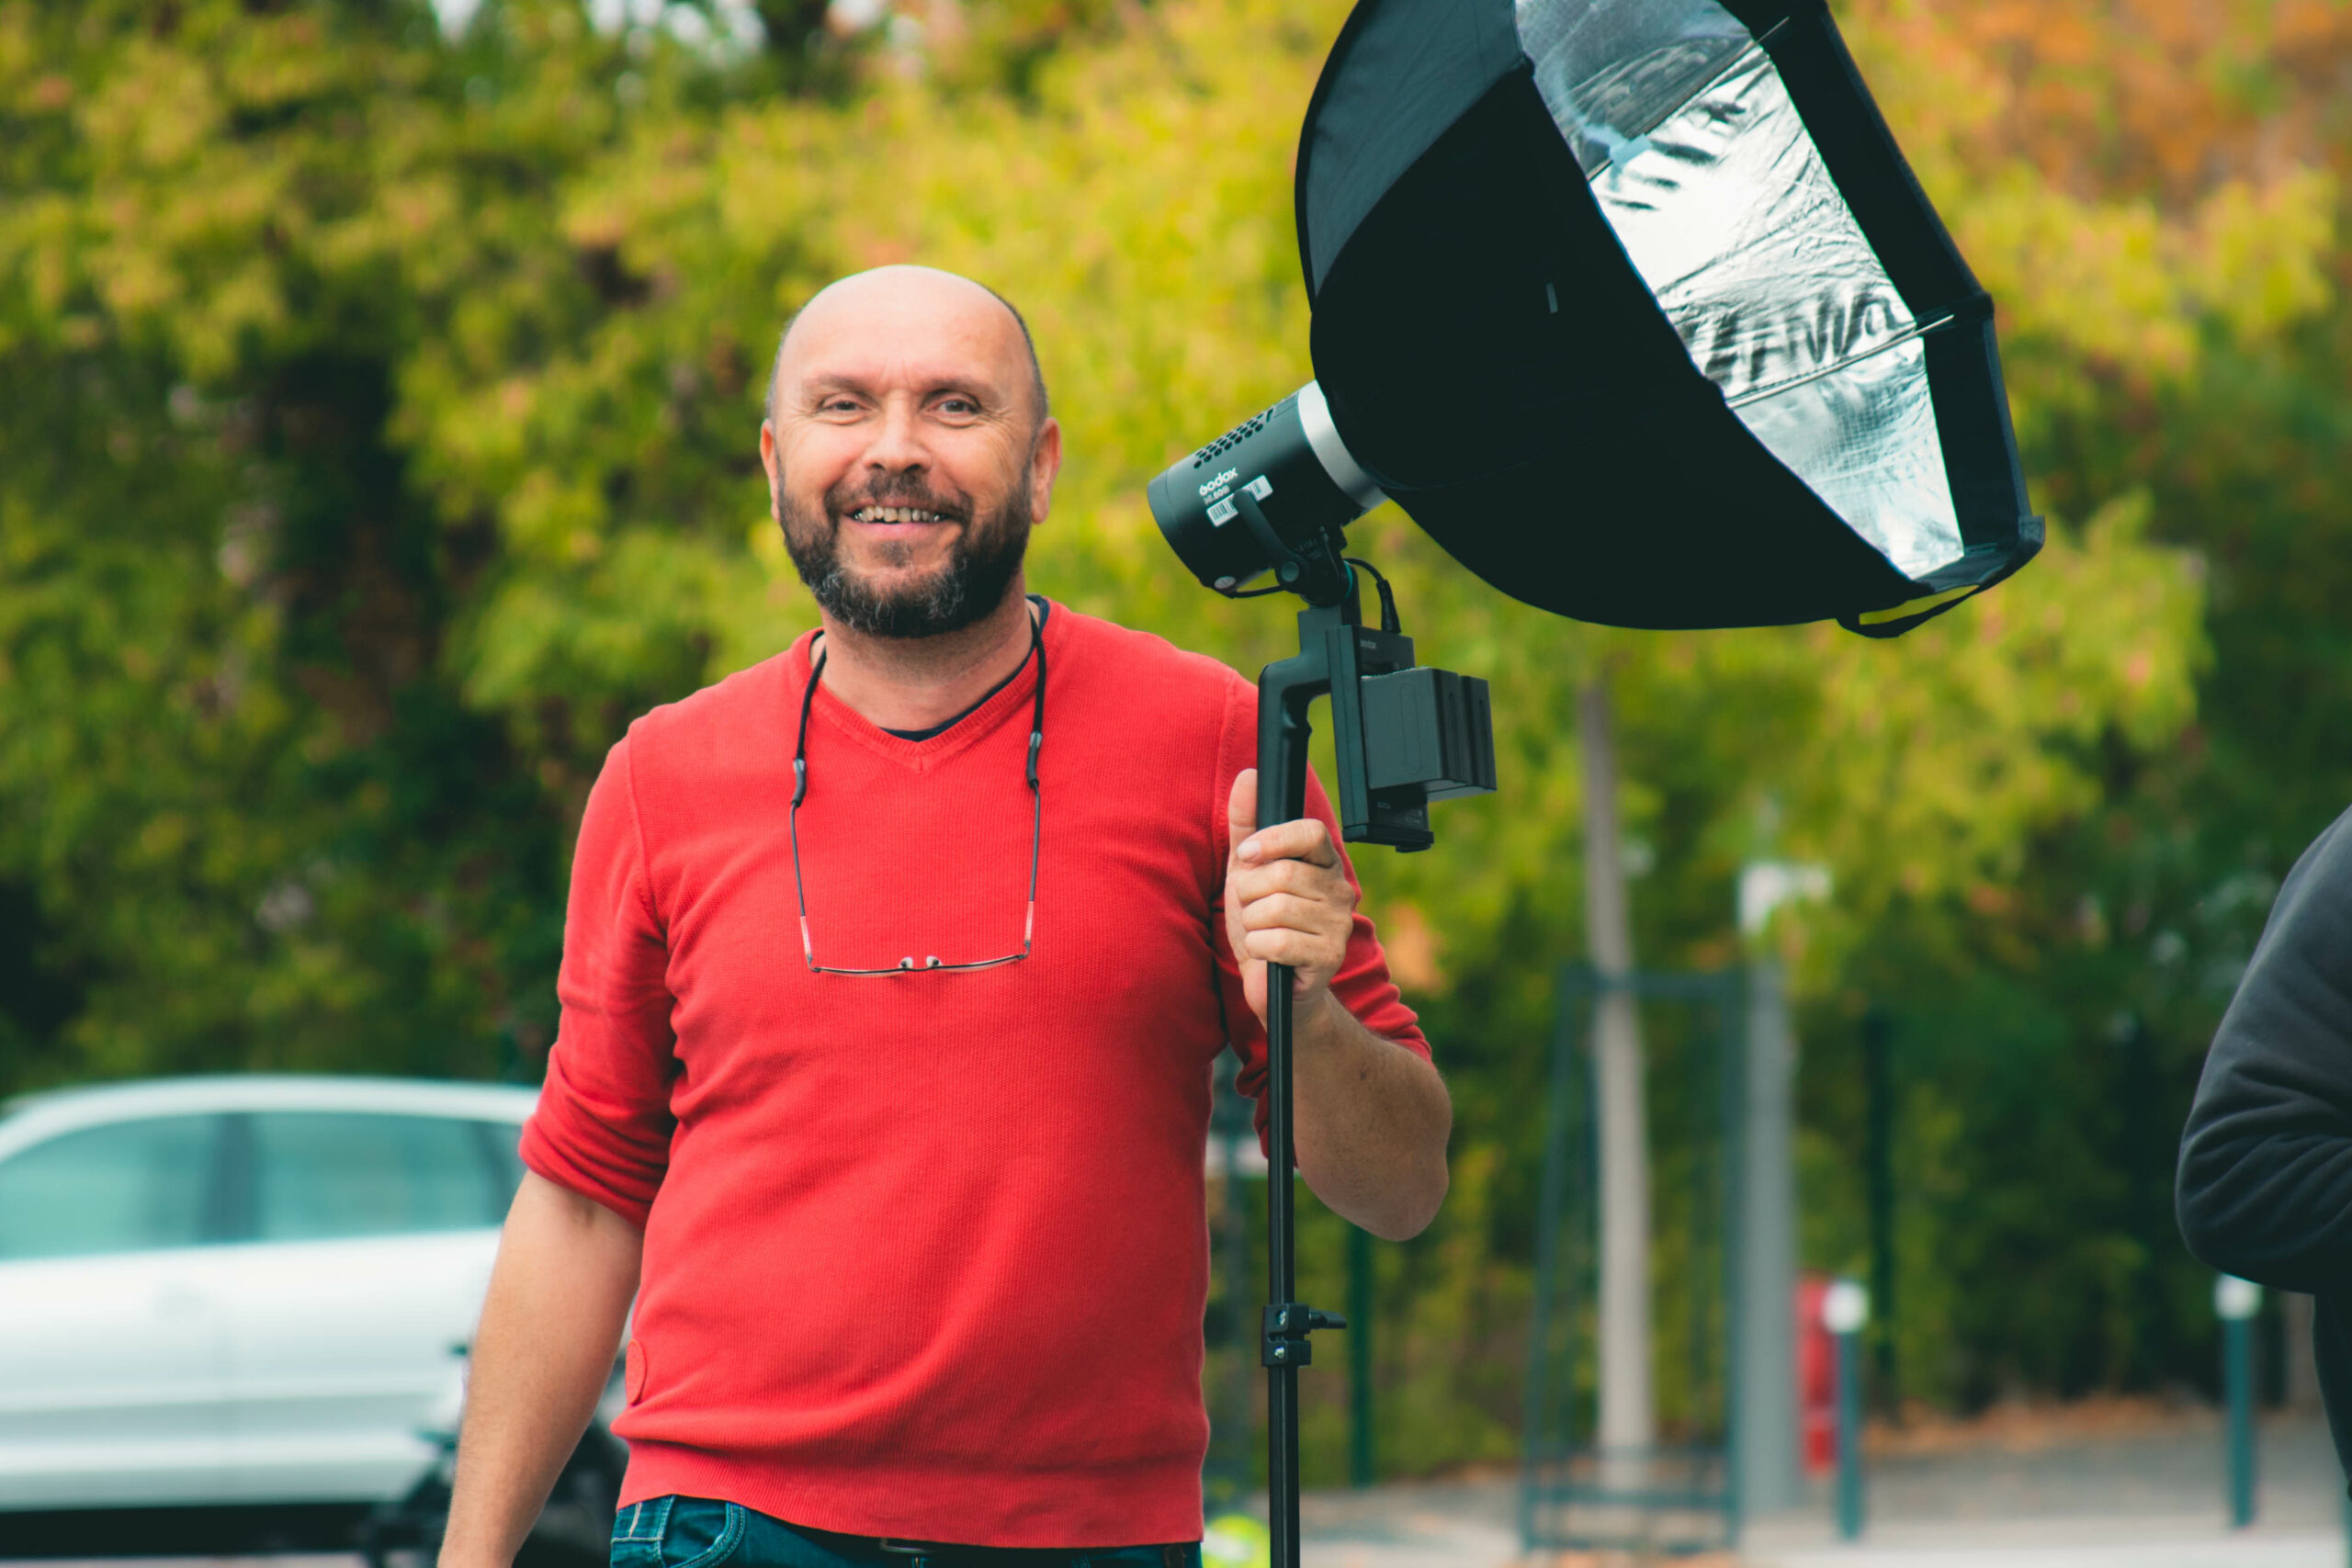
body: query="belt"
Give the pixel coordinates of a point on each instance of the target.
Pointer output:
(946, 1554)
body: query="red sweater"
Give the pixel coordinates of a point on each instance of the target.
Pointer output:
(926, 1255)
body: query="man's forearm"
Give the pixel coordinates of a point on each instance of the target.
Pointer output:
(1371, 1120)
(567, 1271)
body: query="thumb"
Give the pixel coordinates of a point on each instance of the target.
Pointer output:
(1241, 810)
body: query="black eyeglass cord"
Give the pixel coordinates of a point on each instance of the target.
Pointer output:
(1037, 829)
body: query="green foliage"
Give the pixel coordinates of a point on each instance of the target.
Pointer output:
(395, 445)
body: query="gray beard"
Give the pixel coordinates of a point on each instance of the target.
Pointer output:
(981, 564)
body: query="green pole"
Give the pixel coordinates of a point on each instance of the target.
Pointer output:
(2236, 1302)
(1844, 1308)
(1849, 1435)
(1360, 1465)
(1878, 1159)
(2237, 1356)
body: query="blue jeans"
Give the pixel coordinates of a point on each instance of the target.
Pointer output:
(698, 1532)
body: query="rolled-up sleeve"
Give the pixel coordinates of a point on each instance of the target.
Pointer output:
(2266, 1162)
(1363, 985)
(603, 1125)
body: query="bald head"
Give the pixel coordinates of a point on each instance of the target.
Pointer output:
(917, 304)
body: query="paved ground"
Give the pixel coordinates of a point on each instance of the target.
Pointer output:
(2183, 1541)
(2152, 1500)
(2149, 1500)
(1435, 1525)
(2146, 1500)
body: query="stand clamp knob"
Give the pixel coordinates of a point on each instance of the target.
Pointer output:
(1288, 1325)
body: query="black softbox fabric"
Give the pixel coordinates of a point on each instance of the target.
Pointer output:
(1635, 306)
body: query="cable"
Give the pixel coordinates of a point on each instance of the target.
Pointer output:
(1388, 622)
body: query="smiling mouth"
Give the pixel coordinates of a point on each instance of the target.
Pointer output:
(897, 514)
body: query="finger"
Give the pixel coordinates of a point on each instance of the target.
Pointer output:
(1289, 909)
(1241, 807)
(1301, 951)
(1317, 950)
(1307, 839)
(1302, 878)
(1306, 910)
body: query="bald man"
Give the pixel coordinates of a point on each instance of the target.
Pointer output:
(895, 970)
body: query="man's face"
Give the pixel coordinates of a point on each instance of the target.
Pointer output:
(906, 460)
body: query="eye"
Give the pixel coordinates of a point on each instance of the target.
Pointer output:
(957, 404)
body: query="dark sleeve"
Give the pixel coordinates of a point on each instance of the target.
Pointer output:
(2265, 1188)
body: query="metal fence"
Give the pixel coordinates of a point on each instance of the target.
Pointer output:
(1681, 1494)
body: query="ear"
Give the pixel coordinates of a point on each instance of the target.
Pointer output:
(770, 463)
(1045, 463)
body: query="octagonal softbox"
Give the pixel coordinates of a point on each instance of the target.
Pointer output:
(1635, 306)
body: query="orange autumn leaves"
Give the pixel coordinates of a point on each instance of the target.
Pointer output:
(2127, 178)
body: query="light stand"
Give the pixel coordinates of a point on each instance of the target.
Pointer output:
(1285, 690)
(1403, 736)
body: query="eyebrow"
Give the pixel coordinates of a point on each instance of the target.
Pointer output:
(821, 386)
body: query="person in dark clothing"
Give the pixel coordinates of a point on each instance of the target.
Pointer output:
(2265, 1185)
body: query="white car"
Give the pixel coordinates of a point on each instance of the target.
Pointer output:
(234, 1313)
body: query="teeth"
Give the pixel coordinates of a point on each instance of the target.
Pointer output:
(895, 514)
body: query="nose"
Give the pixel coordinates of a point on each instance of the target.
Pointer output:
(897, 445)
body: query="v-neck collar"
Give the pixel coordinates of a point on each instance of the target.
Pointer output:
(1016, 695)
(933, 731)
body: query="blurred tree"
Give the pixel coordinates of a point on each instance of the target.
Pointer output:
(791, 25)
(255, 822)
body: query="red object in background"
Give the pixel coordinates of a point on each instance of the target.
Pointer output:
(1816, 1378)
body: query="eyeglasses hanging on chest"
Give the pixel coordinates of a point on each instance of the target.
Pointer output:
(910, 965)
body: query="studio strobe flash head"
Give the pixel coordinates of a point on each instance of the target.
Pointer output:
(1275, 494)
(1270, 490)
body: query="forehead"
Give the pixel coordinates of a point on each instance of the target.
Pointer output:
(919, 333)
